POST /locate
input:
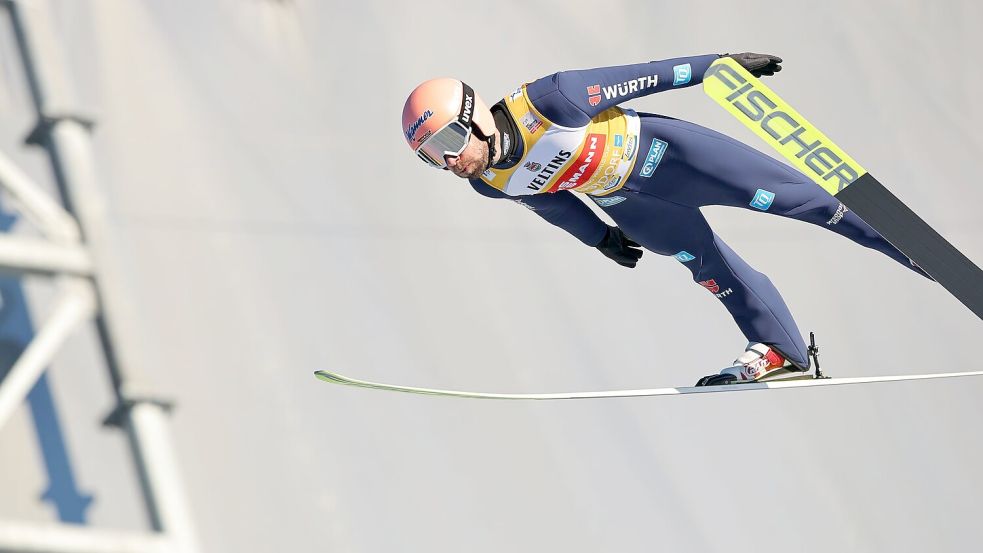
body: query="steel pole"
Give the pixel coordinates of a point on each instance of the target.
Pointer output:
(65, 136)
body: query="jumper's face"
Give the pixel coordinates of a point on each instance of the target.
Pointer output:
(472, 161)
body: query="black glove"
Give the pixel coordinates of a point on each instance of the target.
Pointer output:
(758, 64)
(623, 250)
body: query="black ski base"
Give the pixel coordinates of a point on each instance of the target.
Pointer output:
(907, 232)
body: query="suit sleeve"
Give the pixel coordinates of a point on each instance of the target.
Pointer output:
(572, 98)
(562, 209)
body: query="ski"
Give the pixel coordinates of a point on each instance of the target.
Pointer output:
(814, 154)
(801, 381)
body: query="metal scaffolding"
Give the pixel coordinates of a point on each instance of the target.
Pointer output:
(73, 251)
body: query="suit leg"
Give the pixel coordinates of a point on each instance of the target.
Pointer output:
(713, 169)
(749, 296)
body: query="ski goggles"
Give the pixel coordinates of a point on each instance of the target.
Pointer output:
(452, 138)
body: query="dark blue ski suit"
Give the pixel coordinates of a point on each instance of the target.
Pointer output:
(682, 167)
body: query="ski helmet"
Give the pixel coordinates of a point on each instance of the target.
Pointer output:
(439, 116)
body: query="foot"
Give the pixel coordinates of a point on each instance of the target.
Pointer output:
(757, 362)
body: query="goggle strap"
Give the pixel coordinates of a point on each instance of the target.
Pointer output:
(466, 113)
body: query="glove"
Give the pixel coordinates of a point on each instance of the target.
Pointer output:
(758, 64)
(623, 250)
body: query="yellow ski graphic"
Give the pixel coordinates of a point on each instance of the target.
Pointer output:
(771, 118)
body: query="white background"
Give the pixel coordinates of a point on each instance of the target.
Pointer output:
(273, 222)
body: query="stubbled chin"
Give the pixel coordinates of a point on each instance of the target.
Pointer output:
(479, 167)
(474, 171)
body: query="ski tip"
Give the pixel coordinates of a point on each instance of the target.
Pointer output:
(331, 377)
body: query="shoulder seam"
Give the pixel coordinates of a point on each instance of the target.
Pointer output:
(565, 97)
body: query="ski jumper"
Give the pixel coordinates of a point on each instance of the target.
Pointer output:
(565, 133)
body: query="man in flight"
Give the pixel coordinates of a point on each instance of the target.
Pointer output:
(566, 133)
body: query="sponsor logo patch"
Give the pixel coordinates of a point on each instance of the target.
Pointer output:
(619, 140)
(762, 199)
(838, 216)
(710, 285)
(468, 109)
(415, 126)
(681, 74)
(488, 174)
(531, 122)
(608, 201)
(654, 157)
(684, 256)
(608, 177)
(613, 182)
(628, 87)
(594, 94)
(753, 369)
(586, 164)
(630, 147)
(516, 94)
(714, 288)
(533, 166)
(552, 167)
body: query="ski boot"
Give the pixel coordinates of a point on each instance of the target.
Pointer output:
(758, 361)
